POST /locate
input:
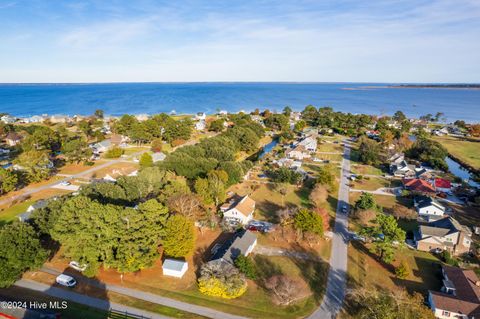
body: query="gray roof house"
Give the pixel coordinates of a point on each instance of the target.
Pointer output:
(158, 157)
(242, 244)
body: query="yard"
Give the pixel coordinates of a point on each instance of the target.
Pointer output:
(330, 147)
(362, 169)
(374, 183)
(466, 151)
(365, 270)
(74, 168)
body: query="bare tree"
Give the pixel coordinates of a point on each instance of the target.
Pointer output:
(400, 211)
(285, 290)
(319, 195)
(187, 205)
(364, 216)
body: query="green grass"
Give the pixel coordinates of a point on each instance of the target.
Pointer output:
(10, 214)
(466, 151)
(330, 147)
(360, 169)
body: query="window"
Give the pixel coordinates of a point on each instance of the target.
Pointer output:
(446, 313)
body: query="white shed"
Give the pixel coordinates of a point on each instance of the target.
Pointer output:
(174, 268)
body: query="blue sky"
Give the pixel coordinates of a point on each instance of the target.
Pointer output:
(301, 40)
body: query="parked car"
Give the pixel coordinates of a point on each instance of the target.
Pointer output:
(77, 266)
(66, 280)
(358, 238)
(344, 209)
(65, 183)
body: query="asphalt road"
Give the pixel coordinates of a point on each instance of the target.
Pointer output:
(337, 275)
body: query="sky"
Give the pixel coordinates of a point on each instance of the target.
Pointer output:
(195, 41)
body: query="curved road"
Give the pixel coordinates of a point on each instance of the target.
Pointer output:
(337, 275)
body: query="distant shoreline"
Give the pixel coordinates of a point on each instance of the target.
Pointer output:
(437, 86)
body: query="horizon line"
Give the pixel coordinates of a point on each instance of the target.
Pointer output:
(241, 82)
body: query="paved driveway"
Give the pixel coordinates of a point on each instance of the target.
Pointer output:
(337, 275)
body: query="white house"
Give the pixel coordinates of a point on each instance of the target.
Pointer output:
(310, 143)
(8, 119)
(200, 125)
(299, 153)
(102, 146)
(239, 209)
(174, 268)
(429, 208)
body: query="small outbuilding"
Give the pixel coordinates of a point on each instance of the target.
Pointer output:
(174, 267)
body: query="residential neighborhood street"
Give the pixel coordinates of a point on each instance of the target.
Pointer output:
(336, 282)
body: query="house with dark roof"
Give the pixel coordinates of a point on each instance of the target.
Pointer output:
(429, 208)
(459, 296)
(242, 243)
(402, 169)
(417, 185)
(444, 234)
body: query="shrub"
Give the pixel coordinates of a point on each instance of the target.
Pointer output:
(114, 152)
(246, 266)
(402, 271)
(177, 142)
(157, 145)
(220, 279)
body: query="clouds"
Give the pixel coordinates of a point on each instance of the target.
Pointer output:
(344, 40)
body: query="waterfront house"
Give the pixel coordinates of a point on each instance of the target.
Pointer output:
(310, 143)
(200, 125)
(8, 119)
(444, 234)
(238, 210)
(459, 296)
(299, 152)
(200, 116)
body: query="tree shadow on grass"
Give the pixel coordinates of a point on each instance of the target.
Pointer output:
(269, 210)
(429, 271)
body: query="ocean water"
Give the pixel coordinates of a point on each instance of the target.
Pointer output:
(135, 98)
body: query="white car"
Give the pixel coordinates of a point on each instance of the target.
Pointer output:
(77, 266)
(65, 183)
(66, 280)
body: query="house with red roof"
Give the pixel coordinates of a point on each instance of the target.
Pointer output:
(418, 186)
(442, 185)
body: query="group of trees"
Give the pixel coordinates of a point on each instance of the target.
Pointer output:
(160, 126)
(219, 152)
(284, 175)
(429, 151)
(121, 225)
(221, 279)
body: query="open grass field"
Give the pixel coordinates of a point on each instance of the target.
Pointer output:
(329, 157)
(135, 149)
(72, 169)
(365, 270)
(374, 183)
(466, 151)
(8, 213)
(362, 169)
(383, 200)
(330, 147)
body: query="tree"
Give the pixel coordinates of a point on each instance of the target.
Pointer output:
(285, 175)
(287, 110)
(179, 238)
(399, 116)
(277, 122)
(76, 150)
(212, 188)
(246, 266)
(402, 271)
(185, 204)
(429, 151)
(373, 303)
(368, 151)
(365, 216)
(285, 290)
(300, 125)
(307, 221)
(387, 231)
(220, 279)
(36, 164)
(146, 160)
(216, 125)
(326, 177)
(114, 152)
(20, 250)
(474, 130)
(366, 201)
(157, 145)
(99, 113)
(8, 181)
(401, 211)
(319, 195)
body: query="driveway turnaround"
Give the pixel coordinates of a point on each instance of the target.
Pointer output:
(337, 275)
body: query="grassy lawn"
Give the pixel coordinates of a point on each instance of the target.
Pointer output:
(467, 151)
(9, 213)
(330, 157)
(330, 147)
(365, 270)
(72, 169)
(385, 201)
(362, 169)
(371, 183)
(135, 149)
(115, 170)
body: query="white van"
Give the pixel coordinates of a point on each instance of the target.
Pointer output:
(65, 280)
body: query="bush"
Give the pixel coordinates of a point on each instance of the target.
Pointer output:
(177, 142)
(246, 266)
(157, 145)
(447, 258)
(114, 152)
(402, 271)
(220, 279)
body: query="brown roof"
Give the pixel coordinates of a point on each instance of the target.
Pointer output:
(14, 136)
(116, 139)
(246, 205)
(453, 304)
(466, 299)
